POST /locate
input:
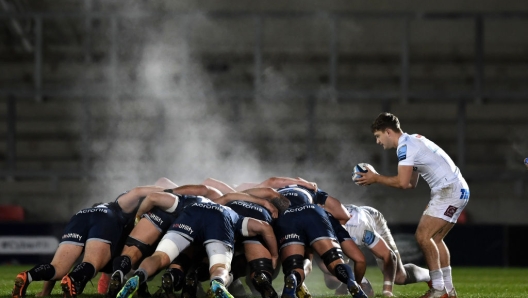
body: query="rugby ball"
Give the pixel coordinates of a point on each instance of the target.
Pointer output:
(360, 168)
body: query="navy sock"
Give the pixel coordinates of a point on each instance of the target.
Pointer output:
(343, 272)
(122, 263)
(42, 272)
(81, 274)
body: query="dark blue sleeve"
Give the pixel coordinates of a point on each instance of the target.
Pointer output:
(339, 231)
(238, 225)
(320, 197)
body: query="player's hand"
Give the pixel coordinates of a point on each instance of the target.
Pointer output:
(367, 178)
(274, 261)
(272, 209)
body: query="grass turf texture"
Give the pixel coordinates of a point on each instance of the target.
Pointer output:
(469, 282)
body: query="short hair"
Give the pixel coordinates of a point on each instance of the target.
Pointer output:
(281, 203)
(386, 120)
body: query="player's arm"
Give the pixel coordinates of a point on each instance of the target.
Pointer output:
(164, 200)
(256, 227)
(402, 180)
(337, 209)
(165, 183)
(220, 185)
(351, 250)
(246, 185)
(130, 200)
(382, 251)
(240, 196)
(47, 287)
(278, 182)
(198, 190)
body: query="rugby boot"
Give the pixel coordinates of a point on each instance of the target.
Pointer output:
(143, 291)
(167, 284)
(290, 287)
(452, 293)
(219, 290)
(130, 288)
(102, 283)
(263, 285)
(69, 287)
(434, 293)
(116, 283)
(236, 288)
(21, 284)
(190, 286)
(302, 291)
(355, 290)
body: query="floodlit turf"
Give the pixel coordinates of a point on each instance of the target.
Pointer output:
(470, 283)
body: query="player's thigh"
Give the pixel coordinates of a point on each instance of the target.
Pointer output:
(145, 232)
(255, 251)
(429, 226)
(65, 257)
(97, 253)
(290, 250)
(438, 237)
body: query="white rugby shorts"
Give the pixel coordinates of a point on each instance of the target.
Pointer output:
(448, 202)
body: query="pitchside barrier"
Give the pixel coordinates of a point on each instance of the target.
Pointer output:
(470, 245)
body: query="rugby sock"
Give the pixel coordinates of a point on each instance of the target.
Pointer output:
(41, 272)
(343, 272)
(437, 279)
(81, 274)
(448, 281)
(415, 274)
(142, 274)
(122, 263)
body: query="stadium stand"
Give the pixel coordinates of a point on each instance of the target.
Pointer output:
(51, 133)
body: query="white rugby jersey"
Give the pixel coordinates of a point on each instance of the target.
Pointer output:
(431, 162)
(361, 227)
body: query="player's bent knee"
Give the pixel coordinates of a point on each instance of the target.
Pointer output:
(261, 264)
(220, 255)
(168, 247)
(144, 249)
(332, 255)
(291, 263)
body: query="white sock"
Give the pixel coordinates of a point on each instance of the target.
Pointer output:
(448, 280)
(437, 279)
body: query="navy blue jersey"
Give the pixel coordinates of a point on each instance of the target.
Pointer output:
(300, 195)
(250, 209)
(303, 225)
(340, 232)
(205, 222)
(126, 219)
(162, 220)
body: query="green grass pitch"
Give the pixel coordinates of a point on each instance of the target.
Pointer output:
(470, 283)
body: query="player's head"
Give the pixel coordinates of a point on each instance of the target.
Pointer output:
(386, 120)
(386, 129)
(281, 203)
